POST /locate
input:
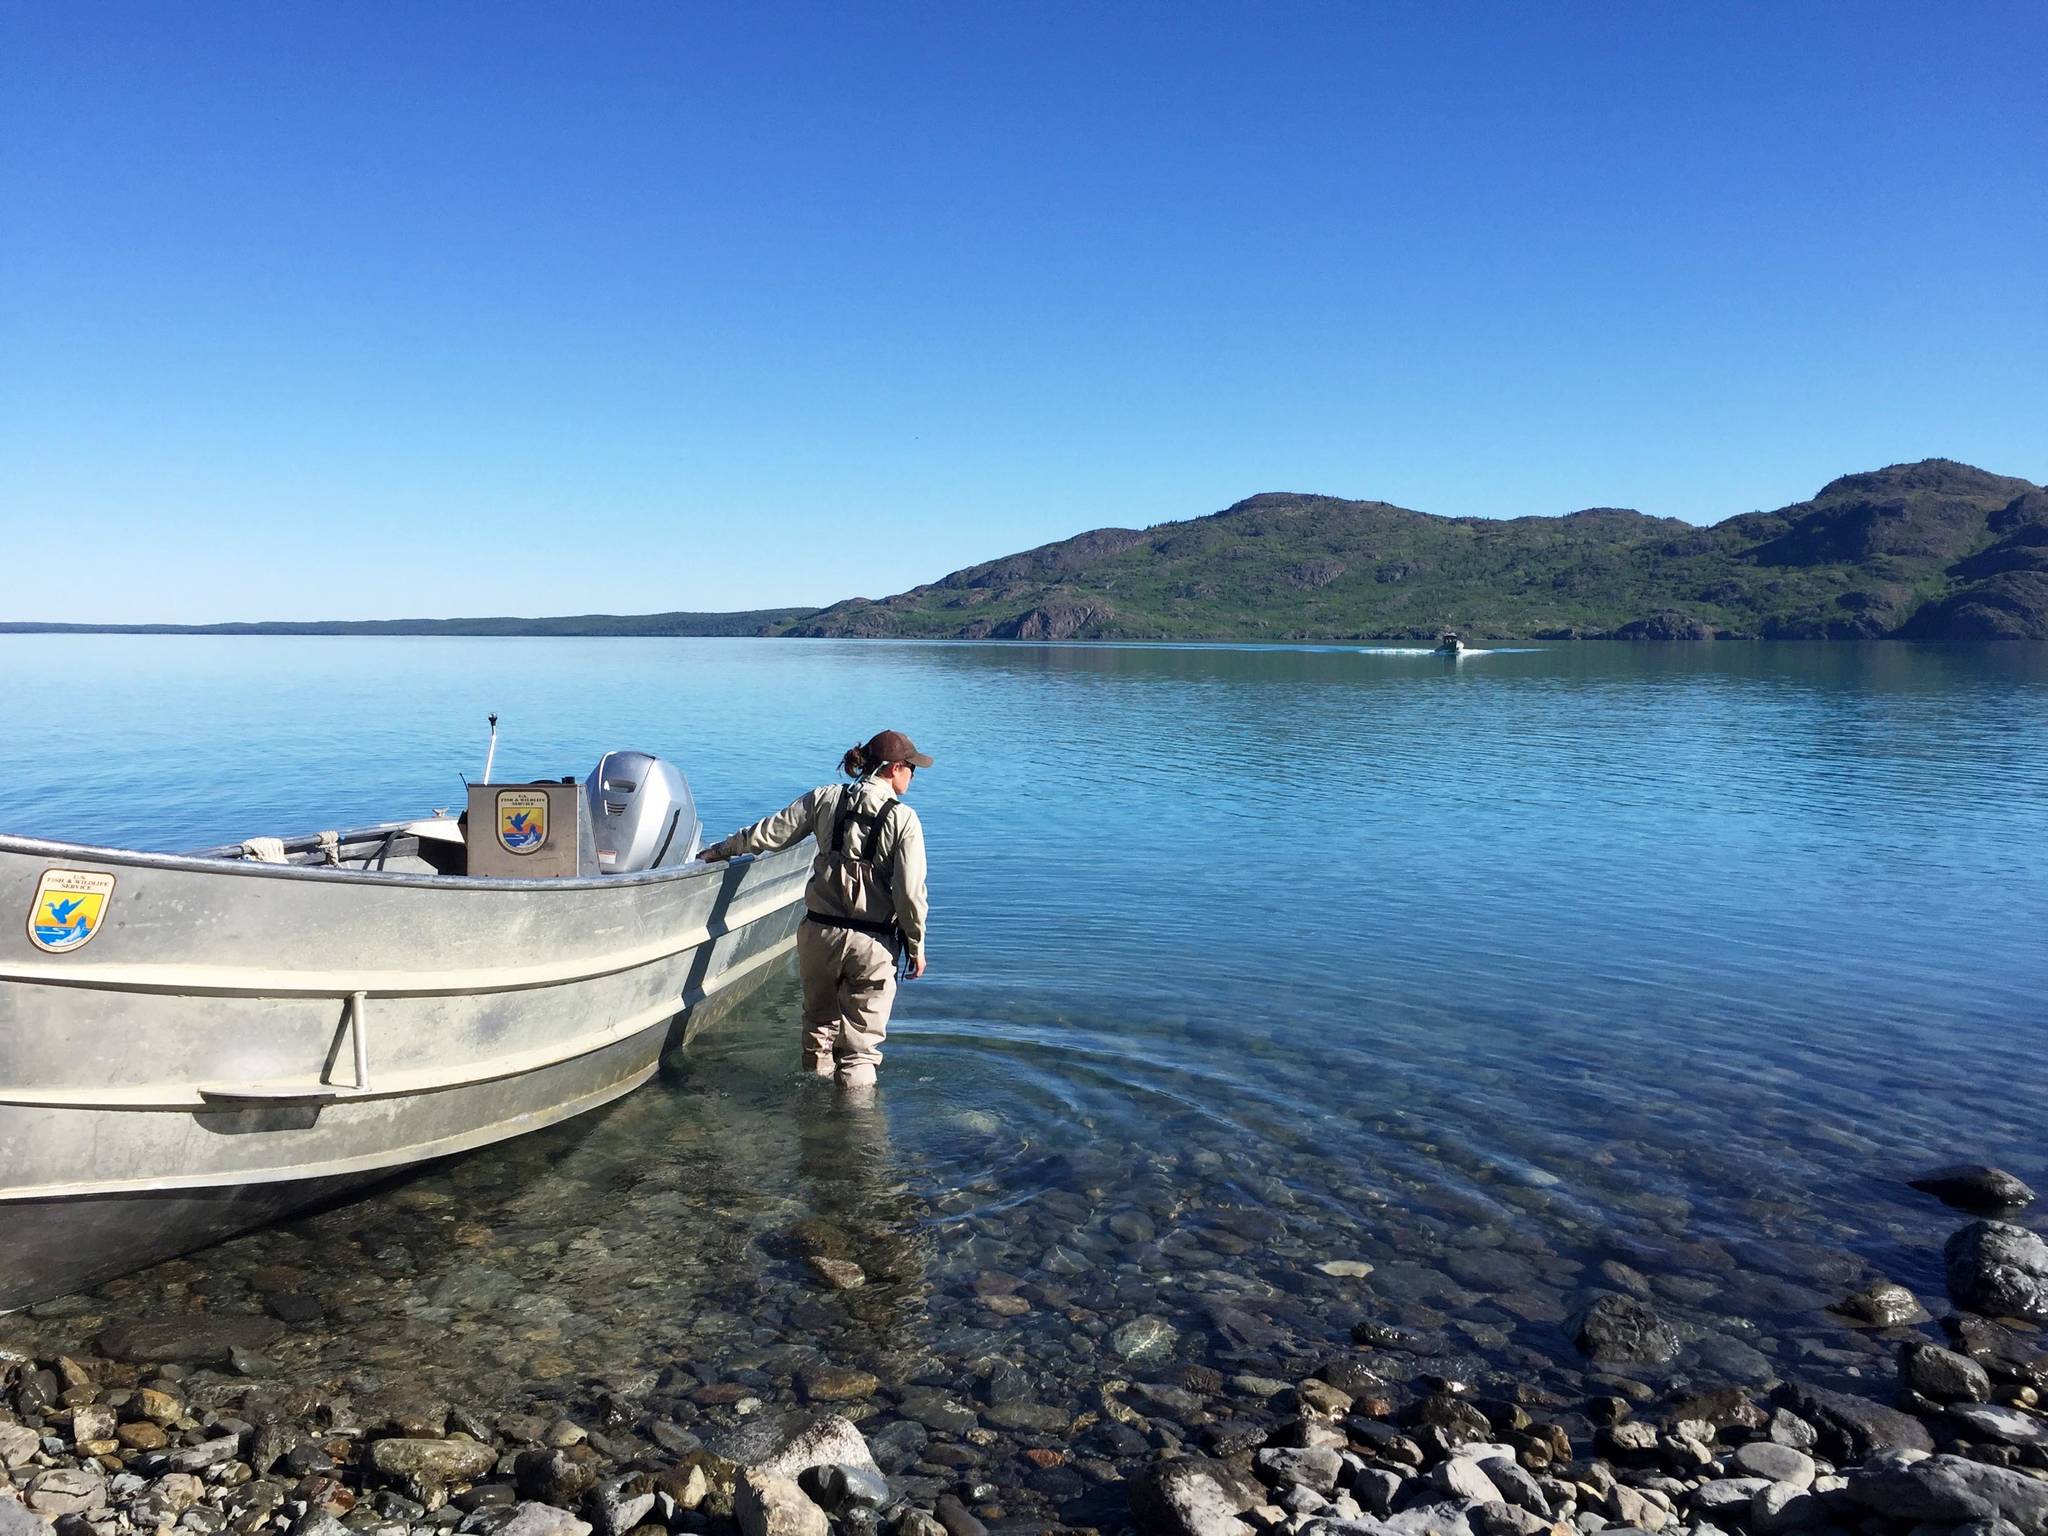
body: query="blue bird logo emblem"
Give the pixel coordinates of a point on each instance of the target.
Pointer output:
(522, 820)
(69, 907)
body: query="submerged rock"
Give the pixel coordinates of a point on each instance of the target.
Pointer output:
(1622, 1331)
(1144, 1340)
(1974, 1187)
(198, 1339)
(838, 1274)
(1885, 1304)
(837, 1386)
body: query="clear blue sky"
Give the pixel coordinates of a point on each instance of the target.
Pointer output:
(374, 310)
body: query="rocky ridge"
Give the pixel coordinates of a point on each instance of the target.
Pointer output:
(1934, 550)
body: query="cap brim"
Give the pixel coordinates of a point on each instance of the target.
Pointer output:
(919, 759)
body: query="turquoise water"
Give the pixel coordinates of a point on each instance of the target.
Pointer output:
(1480, 971)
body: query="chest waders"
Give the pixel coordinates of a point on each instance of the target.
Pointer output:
(859, 874)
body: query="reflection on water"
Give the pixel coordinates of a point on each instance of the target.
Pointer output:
(1511, 977)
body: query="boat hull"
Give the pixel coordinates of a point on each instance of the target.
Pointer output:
(232, 1044)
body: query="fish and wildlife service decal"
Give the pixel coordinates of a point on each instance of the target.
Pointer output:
(522, 820)
(69, 907)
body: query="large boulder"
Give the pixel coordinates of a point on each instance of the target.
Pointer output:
(1999, 1269)
(1949, 1490)
(1193, 1497)
(789, 1447)
(2008, 1355)
(1854, 1428)
(1941, 1375)
(1621, 1331)
(64, 1491)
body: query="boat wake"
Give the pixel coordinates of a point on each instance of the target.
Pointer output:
(1424, 650)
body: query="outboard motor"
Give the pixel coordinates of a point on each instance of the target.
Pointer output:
(642, 814)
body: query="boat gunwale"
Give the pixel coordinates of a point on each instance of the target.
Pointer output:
(202, 864)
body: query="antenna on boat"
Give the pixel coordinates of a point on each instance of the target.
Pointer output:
(491, 752)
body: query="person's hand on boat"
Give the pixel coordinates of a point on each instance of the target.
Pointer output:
(711, 855)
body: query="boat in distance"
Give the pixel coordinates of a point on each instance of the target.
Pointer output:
(193, 1044)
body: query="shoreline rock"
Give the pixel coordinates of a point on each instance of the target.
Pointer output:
(1259, 1426)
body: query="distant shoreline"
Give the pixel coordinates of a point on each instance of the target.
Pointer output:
(1936, 551)
(461, 629)
(750, 622)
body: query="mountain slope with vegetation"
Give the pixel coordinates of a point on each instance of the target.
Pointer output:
(1934, 550)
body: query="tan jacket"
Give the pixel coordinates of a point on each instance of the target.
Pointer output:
(831, 891)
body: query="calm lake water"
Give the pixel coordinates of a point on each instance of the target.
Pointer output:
(1484, 973)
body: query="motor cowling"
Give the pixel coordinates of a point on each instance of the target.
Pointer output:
(642, 815)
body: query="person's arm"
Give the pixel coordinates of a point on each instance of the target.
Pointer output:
(906, 886)
(791, 824)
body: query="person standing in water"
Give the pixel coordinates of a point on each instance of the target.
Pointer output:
(866, 901)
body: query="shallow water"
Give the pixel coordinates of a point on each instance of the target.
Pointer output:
(1482, 972)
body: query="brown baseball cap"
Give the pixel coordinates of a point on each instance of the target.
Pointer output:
(895, 747)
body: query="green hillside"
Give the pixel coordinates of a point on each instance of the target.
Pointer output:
(1934, 550)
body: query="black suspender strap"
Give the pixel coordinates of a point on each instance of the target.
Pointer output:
(874, 823)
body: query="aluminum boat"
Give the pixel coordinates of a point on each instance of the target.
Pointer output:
(192, 1044)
